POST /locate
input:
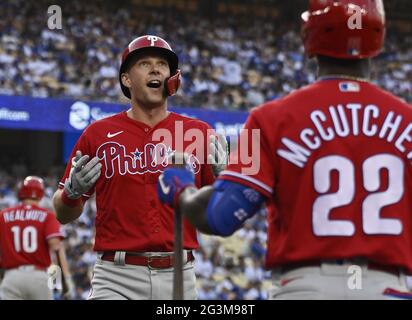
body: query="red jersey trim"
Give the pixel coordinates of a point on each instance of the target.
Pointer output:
(397, 294)
(268, 190)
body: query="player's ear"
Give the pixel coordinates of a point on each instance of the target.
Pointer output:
(126, 80)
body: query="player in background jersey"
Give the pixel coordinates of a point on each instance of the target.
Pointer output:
(333, 164)
(28, 236)
(120, 158)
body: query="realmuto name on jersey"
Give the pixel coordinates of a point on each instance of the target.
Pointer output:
(24, 215)
(367, 120)
(151, 158)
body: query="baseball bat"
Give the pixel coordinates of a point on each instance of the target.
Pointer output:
(179, 161)
(178, 256)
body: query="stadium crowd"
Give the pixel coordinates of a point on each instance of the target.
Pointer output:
(227, 62)
(230, 269)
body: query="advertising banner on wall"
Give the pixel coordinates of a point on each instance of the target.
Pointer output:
(67, 115)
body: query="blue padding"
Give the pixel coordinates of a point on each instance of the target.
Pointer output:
(230, 205)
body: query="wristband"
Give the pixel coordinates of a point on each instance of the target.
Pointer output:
(72, 203)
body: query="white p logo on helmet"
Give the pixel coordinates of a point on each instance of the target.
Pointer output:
(152, 40)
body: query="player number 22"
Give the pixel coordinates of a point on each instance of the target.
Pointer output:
(372, 222)
(29, 237)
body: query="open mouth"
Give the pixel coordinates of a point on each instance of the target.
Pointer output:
(154, 84)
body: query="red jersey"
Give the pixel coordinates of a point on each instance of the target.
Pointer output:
(335, 160)
(129, 215)
(24, 231)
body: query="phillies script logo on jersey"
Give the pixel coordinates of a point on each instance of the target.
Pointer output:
(247, 146)
(152, 158)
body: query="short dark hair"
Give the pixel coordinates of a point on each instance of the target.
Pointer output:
(341, 62)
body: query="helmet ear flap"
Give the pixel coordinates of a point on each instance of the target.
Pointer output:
(173, 83)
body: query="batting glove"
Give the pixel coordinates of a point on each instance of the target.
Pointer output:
(83, 175)
(172, 182)
(219, 154)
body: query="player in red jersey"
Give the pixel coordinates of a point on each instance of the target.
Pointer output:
(120, 158)
(333, 164)
(28, 233)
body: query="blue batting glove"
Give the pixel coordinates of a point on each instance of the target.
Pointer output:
(172, 182)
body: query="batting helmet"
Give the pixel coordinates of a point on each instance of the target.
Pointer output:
(143, 43)
(31, 188)
(346, 29)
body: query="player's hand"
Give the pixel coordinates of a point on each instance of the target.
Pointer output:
(68, 292)
(218, 155)
(172, 182)
(83, 175)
